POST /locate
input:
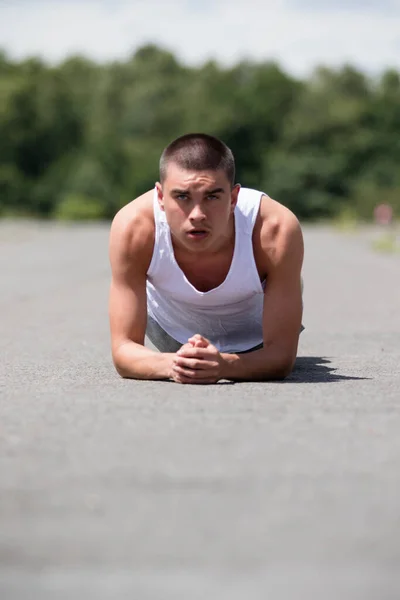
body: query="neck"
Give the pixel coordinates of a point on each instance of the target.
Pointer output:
(224, 244)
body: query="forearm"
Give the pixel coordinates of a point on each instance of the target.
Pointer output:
(135, 361)
(261, 365)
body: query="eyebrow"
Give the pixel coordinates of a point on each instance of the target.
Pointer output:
(176, 191)
(214, 191)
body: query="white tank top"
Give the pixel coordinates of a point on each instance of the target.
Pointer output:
(230, 315)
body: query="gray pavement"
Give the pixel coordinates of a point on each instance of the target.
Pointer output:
(112, 488)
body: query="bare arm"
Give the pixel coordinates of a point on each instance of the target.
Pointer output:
(131, 246)
(282, 312)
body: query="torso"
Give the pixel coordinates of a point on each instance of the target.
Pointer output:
(206, 273)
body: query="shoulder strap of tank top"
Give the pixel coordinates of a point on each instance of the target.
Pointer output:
(249, 204)
(158, 221)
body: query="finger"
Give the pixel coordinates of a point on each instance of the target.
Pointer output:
(201, 353)
(202, 339)
(194, 374)
(198, 342)
(179, 378)
(184, 373)
(195, 363)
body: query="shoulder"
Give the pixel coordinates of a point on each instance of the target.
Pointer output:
(132, 232)
(248, 201)
(277, 238)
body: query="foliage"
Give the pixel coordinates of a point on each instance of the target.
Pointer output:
(76, 207)
(79, 140)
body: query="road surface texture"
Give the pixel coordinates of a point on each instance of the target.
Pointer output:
(113, 488)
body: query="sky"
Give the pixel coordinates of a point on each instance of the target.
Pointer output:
(299, 34)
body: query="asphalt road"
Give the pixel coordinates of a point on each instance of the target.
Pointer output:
(112, 488)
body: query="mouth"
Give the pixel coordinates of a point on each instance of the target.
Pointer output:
(197, 234)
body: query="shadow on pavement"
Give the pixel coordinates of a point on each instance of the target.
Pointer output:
(315, 369)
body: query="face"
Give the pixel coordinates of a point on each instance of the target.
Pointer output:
(199, 208)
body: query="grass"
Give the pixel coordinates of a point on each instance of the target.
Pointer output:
(346, 221)
(388, 243)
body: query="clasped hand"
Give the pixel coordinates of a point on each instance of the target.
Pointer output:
(197, 361)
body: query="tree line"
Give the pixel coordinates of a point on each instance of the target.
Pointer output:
(79, 140)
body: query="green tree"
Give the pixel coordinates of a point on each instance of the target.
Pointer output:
(80, 139)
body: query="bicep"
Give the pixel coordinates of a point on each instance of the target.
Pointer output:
(282, 314)
(129, 255)
(283, 304)
(127, 311)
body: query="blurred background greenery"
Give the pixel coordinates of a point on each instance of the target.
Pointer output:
(81, 139)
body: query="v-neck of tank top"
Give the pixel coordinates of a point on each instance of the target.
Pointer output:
(234, 259)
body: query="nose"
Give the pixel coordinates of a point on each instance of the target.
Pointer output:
(197, 213)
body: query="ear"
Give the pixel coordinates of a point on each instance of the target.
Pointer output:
(160, 195)
(234, 196)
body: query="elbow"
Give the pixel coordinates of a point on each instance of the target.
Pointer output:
(282, 373)
(122, 372)
(119, 368)
(284, 368)
(118, 363)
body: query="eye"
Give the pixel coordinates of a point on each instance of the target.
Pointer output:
(182, 197)
(212, 197)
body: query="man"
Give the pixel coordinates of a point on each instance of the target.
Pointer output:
(209, 271)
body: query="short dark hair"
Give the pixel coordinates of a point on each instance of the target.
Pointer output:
(198, 152)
